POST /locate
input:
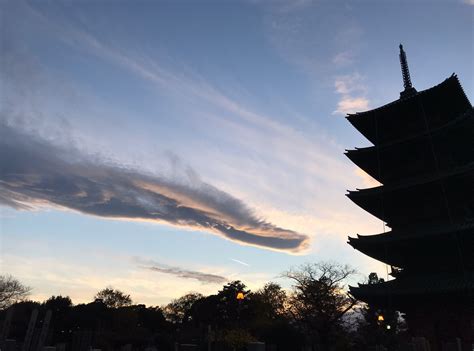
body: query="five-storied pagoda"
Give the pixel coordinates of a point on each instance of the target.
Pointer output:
(423, 154)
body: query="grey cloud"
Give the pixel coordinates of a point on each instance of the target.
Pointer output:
(180, 272)
(34, 171)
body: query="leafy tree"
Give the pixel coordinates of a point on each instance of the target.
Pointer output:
(229, 309)
(179, 310)
(61, 321)
(58, 303)
(223, 310)
(271, 300)
(113, 298)
(204, 311)
(319, 301)
(11, 291)
(269, 319)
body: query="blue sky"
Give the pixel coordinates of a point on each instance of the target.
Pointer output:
(233, 111)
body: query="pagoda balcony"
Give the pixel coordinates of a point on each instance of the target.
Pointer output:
(422, 248)
(447, 197)
(443, 149)
(429, 289)
(425, 110)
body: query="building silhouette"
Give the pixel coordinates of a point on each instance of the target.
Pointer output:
(423, 154)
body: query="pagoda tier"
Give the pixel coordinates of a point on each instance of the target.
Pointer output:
(444, 198)
(425, 110)
(419, 250)
(441, 149)
(409, 290)
(423, 154)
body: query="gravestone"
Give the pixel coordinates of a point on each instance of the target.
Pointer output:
(420, 344)
(256, 346)
(6, 324)
(30, 330)
(9, 345)
(44, 331)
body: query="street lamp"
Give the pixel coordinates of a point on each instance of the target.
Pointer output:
(239, 297)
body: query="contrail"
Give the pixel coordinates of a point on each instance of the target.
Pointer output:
(240, 262)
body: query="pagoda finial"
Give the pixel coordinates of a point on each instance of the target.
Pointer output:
(409, 90)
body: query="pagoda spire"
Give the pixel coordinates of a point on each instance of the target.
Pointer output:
(409, 90)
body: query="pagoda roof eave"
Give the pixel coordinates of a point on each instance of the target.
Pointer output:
(370, 122)
(411, 182)
(428, 246)
(431, 133)
(418, 285)
(353, 116)
(397, 234)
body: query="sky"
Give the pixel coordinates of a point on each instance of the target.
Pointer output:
(164, 147)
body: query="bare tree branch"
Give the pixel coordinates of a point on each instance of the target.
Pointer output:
(319, 301)
(11, 291)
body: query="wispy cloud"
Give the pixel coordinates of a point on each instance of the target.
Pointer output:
(68, 275)
(352, 91)
(349, 104)
(180, 272)
(35, 172)
(304, 35)
(348, 84)
(468, 2)
(343, 58)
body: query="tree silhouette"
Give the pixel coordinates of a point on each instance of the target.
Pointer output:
(179, 310)
(58, 303)
(11, 291)
(113, 298)
(319, 301)
(229, 309)
(271, 300)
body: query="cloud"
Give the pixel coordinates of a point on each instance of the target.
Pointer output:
(304, 35)
(351, 105)
(351, 83)
(343, 58)
(469, 2)
(352, 91)
(37, 173)
(302, 159)
(67, 274)
(180, 272)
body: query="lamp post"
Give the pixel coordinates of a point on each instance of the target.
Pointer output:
(239, 297)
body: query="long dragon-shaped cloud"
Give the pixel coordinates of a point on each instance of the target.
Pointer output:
(34, 171)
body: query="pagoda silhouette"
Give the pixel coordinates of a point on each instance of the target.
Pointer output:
(423, 154)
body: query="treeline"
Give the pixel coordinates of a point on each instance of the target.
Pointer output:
(317, 313)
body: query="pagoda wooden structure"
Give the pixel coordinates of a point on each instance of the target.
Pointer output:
(423, 154)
